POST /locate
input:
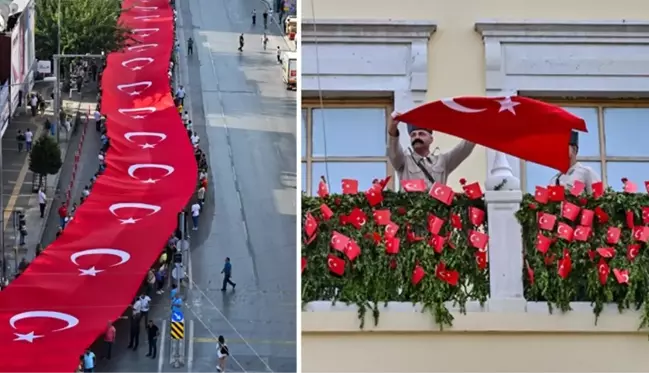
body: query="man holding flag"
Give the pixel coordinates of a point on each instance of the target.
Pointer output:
(419, 163)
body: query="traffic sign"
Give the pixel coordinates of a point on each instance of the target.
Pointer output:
(177, 316)
(177, 330)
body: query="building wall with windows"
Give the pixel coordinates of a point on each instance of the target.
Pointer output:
(584, 55)
(363, 59)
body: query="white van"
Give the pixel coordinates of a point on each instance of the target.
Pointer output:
(289, 69)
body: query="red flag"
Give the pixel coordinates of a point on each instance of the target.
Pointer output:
(577, 188)
(478, 240)
(641, 234)
(613, 235)
(565, 264)
(473, 190)
(391, 229)
(310, 225)
(481, 259)
(413, 185)
(434, 224)
(476, 216)
(449, 276)
(621, 275)
(339, 241)
(546, 221)
(582, 233)
(336, 265)
(437, 242)
(543, 243)
(645, 215)
(569, 210)
(326, 212)
(418, 274)
(565, 231)
(381, 217)
(587, 217)
(442, 193)
(557, 193)
(350, 186)
(357, 218)
(323, 189)
(632, 251)
(303, 264)
(392, 245)
(606, 252)
(352, 250)
(519, 126)
(541, 195)
(603, 271)
(374, 195)
(598, 189)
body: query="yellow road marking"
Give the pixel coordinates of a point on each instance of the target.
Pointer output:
(19, 183)
(250, 341)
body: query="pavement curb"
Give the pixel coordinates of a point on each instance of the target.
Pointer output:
(57, 182)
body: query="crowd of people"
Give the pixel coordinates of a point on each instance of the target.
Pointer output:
(161, 272)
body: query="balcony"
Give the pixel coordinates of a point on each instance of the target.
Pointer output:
(520, 310)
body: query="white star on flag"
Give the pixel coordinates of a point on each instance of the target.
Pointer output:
(29, 337)
(128, 221)
(147, 146)
(508, 105)
(92, 271)
(149, 181)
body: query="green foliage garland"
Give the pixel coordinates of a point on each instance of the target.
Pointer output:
(583, 283)
(45, 156)
(376, 277)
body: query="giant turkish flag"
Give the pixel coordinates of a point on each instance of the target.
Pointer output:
(523, 127)
(91, 273)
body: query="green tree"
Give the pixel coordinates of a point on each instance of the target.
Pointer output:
(45, 157)
(87, 26)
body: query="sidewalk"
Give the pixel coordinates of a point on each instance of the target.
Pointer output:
(19, 181)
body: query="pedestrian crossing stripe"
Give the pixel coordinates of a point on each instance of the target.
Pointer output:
(177, 330)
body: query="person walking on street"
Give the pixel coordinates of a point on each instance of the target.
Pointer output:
(190, 46)
(145, 306)
(265, 17)
(152, 333)
(20, 139)
(196, 211)
(63, 214)
(29, 137)
(89, 360)
(279, 55)
(241, 42)
(33, 104)
(227, 275)
(254, 16)
(180, 94)
(222, 352)
(42, 201)
(264, 40)
(134, 332)
(109, 339)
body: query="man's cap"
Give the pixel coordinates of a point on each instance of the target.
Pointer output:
(413, 128)
(574, 138)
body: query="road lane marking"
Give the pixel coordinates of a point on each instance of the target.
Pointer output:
(253, 341)
(163, 338)
(11, 204)
(190, 347)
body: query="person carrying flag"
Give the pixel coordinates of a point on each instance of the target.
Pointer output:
(419, 163)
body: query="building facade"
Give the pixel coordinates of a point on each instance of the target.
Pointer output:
(362, 60)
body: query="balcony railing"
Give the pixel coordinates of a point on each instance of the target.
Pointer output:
(606, 273)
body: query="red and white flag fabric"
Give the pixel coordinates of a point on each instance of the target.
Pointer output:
(60, 305)
(523, 127)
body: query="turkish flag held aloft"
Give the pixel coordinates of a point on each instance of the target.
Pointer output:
(523, 127)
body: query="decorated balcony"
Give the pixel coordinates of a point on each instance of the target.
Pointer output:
(561, 264)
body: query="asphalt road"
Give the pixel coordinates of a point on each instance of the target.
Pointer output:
(246, 120)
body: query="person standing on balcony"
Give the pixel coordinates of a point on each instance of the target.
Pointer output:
(577, 171)
(419, 163)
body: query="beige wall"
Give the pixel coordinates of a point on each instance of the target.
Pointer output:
(478, 342)
(410, 342)
(456, 53)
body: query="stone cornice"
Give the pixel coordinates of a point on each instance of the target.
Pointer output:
(573, 29)
(378, 31)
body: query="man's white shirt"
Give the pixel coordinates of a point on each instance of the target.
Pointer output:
(42, 198)
(145, 303)
(196, 209)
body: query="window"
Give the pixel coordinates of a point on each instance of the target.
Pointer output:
(614, 145)
(344, 139)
